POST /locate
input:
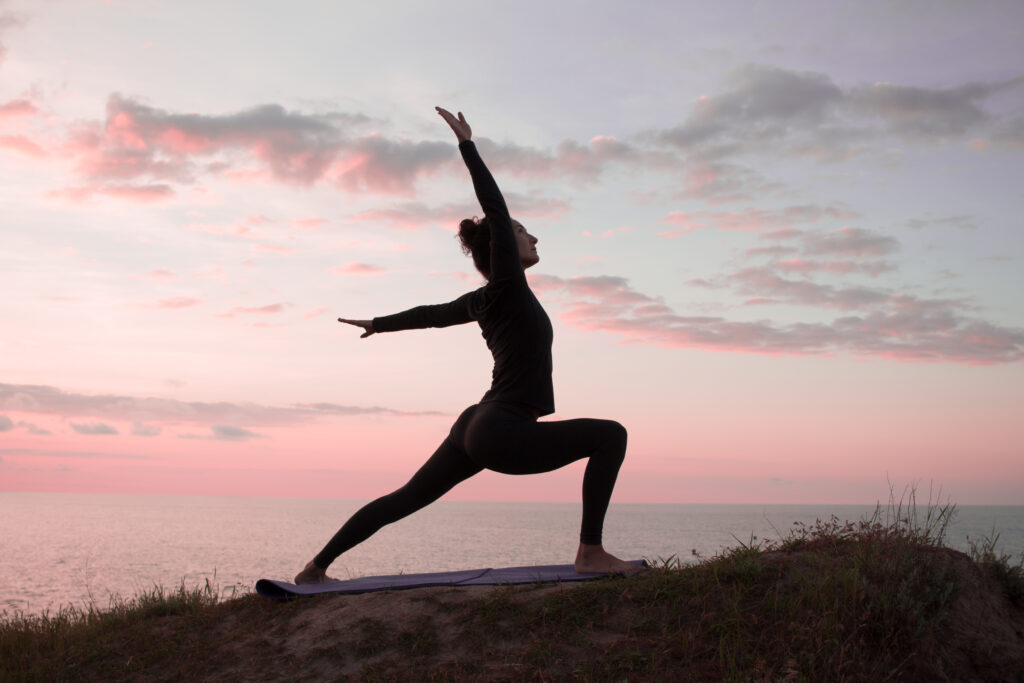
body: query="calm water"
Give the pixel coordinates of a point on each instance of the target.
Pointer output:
(68, 549)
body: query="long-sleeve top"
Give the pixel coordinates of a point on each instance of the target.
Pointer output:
(517, 330)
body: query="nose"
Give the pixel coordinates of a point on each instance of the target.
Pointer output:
(533, 240)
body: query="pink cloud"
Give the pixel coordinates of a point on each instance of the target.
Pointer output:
(357, 269)
(140, 142)
(137, 193)
(314, 313)
(277, 249)
(269, 309)
(312, 223)
(162, 274)
(178, 302)
(21, 145)
(17, 108)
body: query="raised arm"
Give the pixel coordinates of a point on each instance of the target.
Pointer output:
(504, 252)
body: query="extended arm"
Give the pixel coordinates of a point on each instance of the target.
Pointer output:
(504, 252)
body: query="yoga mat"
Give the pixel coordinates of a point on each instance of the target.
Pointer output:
(282, 590)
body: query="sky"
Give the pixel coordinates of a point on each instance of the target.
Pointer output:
(782, 245)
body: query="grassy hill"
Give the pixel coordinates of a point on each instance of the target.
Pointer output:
(873, 600)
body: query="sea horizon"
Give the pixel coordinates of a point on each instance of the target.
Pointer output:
(82, 548)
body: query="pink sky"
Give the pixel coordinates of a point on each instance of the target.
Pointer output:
(790, 266)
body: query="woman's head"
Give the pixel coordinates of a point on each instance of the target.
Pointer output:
(475, 237)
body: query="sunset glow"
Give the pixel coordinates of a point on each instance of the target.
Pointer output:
(789, 264)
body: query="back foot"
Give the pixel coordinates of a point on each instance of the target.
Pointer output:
(312, 574)
(593, 559)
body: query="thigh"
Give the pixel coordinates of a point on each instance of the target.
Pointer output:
(499, 441)
(448, 466)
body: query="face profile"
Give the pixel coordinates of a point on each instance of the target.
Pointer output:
(527, 244)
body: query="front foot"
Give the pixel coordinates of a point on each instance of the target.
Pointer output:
(593, 559)
(312, 574)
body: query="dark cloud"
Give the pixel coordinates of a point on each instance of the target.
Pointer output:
(898, 326)
(390, 166)
(845, 267)
(848, 241)
(33, 429)
(569, 158)
(94, 429)
(232, 433)
(770, 109)
(764, 103)
(140, 429)
(6, 424)
(927, 113)
(963, 222)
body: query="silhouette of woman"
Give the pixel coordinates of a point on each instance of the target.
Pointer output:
(500, 433)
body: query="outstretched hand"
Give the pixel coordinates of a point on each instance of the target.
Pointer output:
(459, 125)
(367, 326)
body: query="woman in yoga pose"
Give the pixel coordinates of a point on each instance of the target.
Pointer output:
(501, 433)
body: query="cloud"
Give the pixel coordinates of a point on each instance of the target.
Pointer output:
(17, 108)
(927, 113)
(569, 159)
(754, 219)
(311, 223)
(178, 302)
(8, 20)
(141, 146)
(6, 424)
(162, 274)
(763, 104)
(358, 269)
(137, 193)
(94, 429)
(849, 242)
(808, 266)
(962, 221)
(335, 409)
(269, 309)
(140, 429)
(416, 215)
(896, 326)
(225, 433)
(21, 145)
(33, 429)
(89, 455)
(314, 312)
(767, 287)
(770, 109)
(390, 167)
(46, 400)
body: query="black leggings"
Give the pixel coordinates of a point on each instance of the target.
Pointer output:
(506, 438)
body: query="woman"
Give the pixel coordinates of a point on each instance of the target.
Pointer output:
(501, 433)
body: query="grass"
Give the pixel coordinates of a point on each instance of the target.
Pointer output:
(834, 600)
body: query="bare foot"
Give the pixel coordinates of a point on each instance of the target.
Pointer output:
(312, 574)
(593, 559)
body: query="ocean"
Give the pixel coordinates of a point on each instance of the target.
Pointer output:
(60, 549)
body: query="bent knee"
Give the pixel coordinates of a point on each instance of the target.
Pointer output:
(617, 434)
